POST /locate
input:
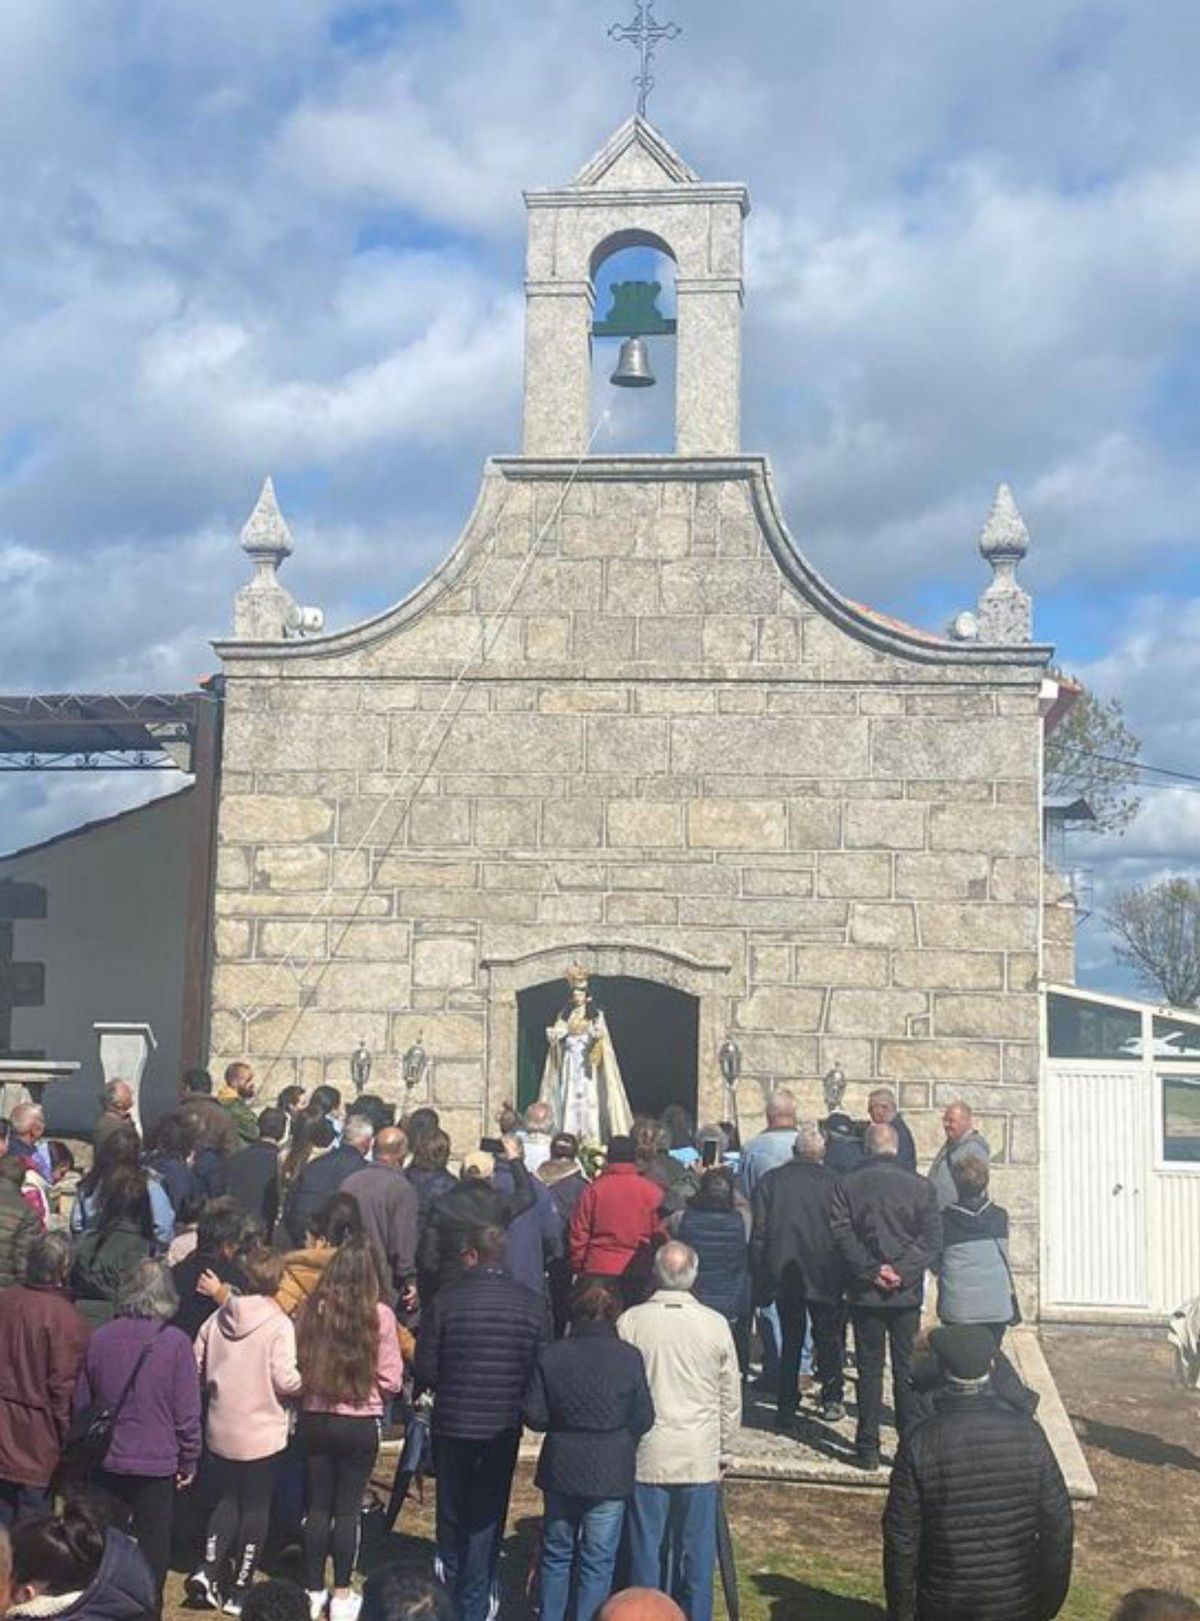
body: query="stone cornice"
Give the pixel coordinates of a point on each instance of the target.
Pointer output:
(639, 196)
(883, 635)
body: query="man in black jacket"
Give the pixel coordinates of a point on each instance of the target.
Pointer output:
(795, 1262)
(473, 1203)
(479, 1343)
(887, 1230)
(321, 1178)
(978, 1521)
(252, 1177)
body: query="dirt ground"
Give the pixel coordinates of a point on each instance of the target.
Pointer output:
(812, 1553)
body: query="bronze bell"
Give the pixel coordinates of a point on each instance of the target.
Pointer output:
(633, 366)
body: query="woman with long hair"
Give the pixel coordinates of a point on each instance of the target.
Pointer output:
(118, 1165)
(349, 1363)
(312, 1135)
(118, 1236)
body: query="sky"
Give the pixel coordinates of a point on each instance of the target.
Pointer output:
(289, 238)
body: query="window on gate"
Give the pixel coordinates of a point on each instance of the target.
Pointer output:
(1181, 1119)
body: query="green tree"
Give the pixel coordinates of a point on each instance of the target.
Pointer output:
(1091, 754)
(1158, 930)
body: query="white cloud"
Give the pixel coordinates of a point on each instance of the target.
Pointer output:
(289, 238)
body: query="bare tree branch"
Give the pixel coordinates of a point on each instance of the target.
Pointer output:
(1158, 927)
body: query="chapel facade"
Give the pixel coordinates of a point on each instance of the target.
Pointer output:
(626, 725)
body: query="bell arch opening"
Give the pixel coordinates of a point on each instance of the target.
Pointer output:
(654, 1029)
(633, 277)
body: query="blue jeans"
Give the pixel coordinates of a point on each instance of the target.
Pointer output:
(591, 1525)
(474, 1479)
(673, 1544)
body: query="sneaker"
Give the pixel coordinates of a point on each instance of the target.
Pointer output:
(867, 1458)
(317, 1602)
(201, 1589)
(833, 1412)
(233, 1604)
(345, 1609)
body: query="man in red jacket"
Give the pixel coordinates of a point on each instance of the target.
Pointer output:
(617, 1223)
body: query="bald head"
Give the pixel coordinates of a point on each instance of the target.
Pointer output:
(391, 1146)
(956, 1122)
(781, 1111)
(881, 1142)
(676, 1266)
(640, 1604)
(810, 1142)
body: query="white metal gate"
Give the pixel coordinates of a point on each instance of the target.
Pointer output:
(1097, 1158)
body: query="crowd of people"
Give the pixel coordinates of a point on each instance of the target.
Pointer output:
(203, 1335)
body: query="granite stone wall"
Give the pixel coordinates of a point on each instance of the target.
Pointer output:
(625, 723)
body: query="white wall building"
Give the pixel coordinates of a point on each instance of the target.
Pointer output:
(1121, 1157)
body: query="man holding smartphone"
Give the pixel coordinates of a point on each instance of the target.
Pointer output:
(472, 1205)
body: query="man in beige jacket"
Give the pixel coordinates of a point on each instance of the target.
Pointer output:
(692, 1370)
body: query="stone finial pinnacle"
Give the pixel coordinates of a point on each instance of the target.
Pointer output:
(1005, 608)
(1004, 534)
(264, 609)
(265, 533)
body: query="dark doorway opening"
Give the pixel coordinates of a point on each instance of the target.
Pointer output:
(654, 1028)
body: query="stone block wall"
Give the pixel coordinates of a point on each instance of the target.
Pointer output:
(674, 754)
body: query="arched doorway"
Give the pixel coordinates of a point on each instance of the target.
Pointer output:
(654, 1028)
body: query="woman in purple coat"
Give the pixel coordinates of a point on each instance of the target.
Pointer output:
(156, 1437)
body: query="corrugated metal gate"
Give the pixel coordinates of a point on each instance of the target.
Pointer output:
(1098, 1156)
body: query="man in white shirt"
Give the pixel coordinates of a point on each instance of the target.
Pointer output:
(692, 1369)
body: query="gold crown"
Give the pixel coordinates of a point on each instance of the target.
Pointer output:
(577, 977)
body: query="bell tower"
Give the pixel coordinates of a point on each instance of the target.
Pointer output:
(635, 192)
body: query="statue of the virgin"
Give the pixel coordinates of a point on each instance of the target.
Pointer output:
(582, 1079)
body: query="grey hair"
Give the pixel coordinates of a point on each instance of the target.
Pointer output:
(676, 1266)
(781, 1102)
(881, 1140)
(713, 1134)
(49, 1260)
(148, 1290)
(359, 1132)
(23, 1113)
(810, 1141)
(883, 1094)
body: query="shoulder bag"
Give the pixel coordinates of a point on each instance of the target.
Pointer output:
(91, 1430)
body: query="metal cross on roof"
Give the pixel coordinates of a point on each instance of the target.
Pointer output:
(646, 34)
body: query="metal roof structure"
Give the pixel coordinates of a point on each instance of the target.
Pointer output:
(100, 732)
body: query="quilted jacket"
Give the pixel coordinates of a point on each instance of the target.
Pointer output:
(478, 1345)
(978, 1522)
(589, 1393)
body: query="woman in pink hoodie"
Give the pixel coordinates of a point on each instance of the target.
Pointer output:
(350, 1360)
(246, 1353)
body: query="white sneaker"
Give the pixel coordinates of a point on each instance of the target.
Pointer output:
(345, 1609)
(316, 1603)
